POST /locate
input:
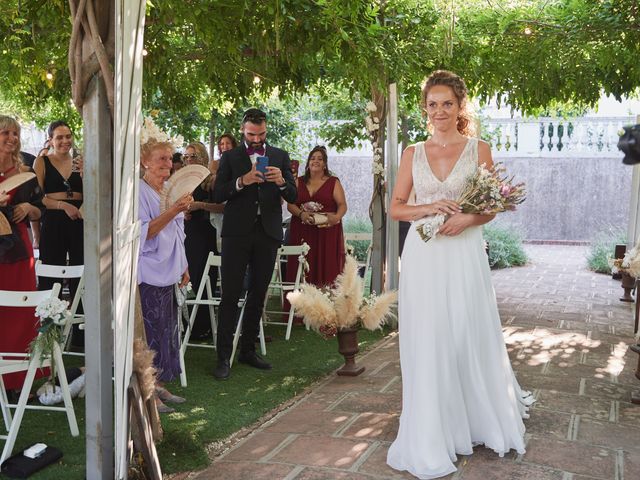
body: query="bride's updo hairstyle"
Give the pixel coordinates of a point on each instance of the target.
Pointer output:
(465, 123)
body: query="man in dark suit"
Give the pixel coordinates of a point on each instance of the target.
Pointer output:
(251, 234)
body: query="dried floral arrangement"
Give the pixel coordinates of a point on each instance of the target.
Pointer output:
(630, 264)
(343, 306)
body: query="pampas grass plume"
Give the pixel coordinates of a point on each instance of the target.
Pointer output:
(313, 305)
(143, 366)
(374, 316)
(348, 293)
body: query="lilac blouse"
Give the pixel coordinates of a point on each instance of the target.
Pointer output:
(162, 259)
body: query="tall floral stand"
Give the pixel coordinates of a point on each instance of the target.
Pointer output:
(348, 348)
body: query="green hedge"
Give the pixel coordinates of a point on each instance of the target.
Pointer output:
(602, 249)
(358, 225)
(505, 247)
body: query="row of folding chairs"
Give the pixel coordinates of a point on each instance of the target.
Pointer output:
(12, 362)
(208, 296)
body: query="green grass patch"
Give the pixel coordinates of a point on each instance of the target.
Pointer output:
(505, 247)
(214, 409)
(602, 249)
(359, 247)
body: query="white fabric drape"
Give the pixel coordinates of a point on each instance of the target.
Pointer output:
(130, 16)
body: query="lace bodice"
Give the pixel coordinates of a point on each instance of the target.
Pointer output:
(428, 188)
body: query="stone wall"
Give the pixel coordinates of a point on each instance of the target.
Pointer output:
(569, 199)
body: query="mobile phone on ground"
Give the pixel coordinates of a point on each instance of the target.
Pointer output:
(261, 165)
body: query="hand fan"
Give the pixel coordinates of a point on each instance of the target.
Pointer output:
(182, 182)
(15, 181)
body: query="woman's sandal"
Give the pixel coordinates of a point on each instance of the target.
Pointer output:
(165, 396)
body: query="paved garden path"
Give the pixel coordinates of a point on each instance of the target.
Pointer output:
(568, 337)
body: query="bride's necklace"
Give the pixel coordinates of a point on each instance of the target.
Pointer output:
(442, 144)
(8, 170)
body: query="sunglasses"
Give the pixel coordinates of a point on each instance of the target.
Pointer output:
(67, 185)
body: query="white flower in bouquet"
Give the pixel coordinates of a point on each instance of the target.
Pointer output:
(52, 309)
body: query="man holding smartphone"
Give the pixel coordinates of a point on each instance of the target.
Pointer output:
(252, 179)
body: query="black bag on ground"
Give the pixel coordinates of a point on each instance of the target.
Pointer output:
(19, 466)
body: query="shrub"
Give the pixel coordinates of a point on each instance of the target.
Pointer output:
(505, 247)
(602, 249)
(358, 225)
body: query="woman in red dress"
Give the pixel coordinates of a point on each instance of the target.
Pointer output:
(17, 266)
(319, 186)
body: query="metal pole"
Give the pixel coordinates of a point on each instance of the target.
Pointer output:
(97, 206)
(393, 236)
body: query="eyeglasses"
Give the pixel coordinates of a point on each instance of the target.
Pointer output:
(190, 155)
(67, 185)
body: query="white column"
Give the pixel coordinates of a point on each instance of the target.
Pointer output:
(393, 240)
(529, 139)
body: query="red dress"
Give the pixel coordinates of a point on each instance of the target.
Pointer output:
(326, 256)
(18, 324)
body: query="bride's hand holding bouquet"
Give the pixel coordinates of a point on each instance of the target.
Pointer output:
(487, 192)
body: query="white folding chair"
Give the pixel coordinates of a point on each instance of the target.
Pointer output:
(280, 286)
(68, 272)
(11, 362)
(211, 301)
(355, 237)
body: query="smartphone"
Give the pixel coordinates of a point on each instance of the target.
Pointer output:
(261, 165)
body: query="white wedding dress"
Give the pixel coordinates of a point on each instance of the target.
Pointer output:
(458, 388)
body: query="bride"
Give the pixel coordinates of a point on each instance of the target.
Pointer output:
(458, 388)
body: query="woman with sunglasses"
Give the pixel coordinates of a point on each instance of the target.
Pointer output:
(60, 178)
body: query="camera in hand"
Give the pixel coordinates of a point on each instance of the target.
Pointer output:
(629, 144)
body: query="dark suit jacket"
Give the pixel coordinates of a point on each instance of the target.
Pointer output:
(242, 206)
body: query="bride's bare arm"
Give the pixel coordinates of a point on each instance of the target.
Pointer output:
(399, 208)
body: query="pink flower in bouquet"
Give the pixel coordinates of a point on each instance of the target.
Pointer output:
(311, 207)
(505, 190)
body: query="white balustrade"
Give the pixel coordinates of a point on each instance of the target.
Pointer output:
(552, 137)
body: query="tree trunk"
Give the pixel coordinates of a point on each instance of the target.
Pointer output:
(377, 207)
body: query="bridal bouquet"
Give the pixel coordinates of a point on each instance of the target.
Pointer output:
(343, 306)
(487, 191)
(53, 316)
(313, 208)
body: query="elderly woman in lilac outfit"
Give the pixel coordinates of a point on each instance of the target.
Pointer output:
(162, 263)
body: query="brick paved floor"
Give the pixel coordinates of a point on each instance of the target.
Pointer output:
(567, 335)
